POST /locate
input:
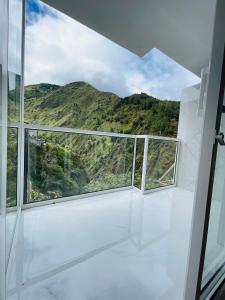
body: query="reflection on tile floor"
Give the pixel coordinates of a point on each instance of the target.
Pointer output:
(116, 246)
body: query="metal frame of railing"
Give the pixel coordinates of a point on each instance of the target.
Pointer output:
(146, 139)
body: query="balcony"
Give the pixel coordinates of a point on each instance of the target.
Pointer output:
(126, 224)
(132, 244)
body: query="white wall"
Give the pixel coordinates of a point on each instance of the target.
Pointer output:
(189, 132)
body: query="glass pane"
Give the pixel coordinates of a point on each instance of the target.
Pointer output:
(160, 164)
(215, 250)
(12, 167)
(139, 162)
(66, 164)
(14, 59)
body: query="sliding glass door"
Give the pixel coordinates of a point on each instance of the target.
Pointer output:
(14, 82)
(11, 61)
(214, 263)
(206, 266)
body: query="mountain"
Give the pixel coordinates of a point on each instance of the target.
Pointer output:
(39, 90)
(65, 164)
(80, 105)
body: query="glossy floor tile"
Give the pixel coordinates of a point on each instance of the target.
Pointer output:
(116, 246)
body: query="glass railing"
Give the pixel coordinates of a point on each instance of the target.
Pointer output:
(139, 154)
(161, 161)
(155, 162)
(65, 162)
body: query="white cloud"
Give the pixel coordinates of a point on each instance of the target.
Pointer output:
(60, 50)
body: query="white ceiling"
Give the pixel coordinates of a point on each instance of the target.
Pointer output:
(182, 29)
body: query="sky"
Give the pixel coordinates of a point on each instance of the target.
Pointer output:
(60, 50)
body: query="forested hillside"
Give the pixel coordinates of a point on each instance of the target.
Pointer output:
(59, 164)
(80, 105)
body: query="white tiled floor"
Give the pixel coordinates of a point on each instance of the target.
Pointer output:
(117, 246)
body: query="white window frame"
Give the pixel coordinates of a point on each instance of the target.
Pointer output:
(3, 140)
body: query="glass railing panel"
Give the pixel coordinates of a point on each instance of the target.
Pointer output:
(12, 162)
(61, 164)
(161, 163)
(139, 162)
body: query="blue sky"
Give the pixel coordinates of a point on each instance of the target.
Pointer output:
(60, 50)
(36, 10)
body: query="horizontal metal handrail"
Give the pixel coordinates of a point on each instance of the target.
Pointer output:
(89, 132)
(72, 130)
(156, 137)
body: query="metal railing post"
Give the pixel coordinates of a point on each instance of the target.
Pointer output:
(176, 162)
(144, 167)
(134, 162)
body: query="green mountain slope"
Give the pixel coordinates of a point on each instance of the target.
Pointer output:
(80, 105)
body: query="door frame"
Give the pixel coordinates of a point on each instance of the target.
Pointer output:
(202, 203)
(3, 139)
